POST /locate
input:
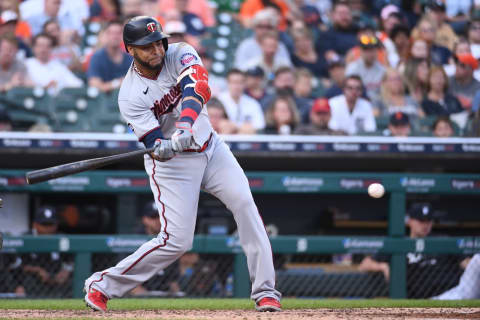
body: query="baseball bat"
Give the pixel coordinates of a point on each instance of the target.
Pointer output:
(80, 166)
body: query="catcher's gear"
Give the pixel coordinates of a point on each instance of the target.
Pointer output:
(142, 30)
(163, 150)
(182, 139)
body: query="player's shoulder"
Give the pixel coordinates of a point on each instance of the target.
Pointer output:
(183, 52)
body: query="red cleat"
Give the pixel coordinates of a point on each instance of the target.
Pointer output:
(96, 300)
(268, 304)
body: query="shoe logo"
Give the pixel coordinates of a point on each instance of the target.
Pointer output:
(146, 90)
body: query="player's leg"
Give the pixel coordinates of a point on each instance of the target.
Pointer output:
(225, 179)
(176, 187)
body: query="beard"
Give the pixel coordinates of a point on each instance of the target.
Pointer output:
(146, 64)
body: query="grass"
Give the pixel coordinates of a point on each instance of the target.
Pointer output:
(229, 304)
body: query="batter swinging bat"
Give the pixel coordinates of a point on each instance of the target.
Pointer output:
(80, 166)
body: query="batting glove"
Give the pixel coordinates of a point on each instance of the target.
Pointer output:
(182, 139)
(163, 150)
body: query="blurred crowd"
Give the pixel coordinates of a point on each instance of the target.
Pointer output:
(312, 67)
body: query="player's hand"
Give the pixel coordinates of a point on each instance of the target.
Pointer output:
(182, 139)
(163, 150)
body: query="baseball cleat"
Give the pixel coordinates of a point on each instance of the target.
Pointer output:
(268, 304)
(96, 300)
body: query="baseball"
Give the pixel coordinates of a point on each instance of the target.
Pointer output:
(376, 190)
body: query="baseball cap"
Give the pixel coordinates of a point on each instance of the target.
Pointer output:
(175, 27)
(388, 10)
(468, 59)
(321, 105)
(367, 42)
(422, 211)
(436, 5)
(335, 62)
(256, 71)
(8, 16)
(150, 210)
(45, 215)
(399, 119)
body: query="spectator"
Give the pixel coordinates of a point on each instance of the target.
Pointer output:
(22, 28)
(13, 72)
(341, 36)
(69, 21)
(305, 55)
(255, 85)
(250, 8)
(311, 15)
(336, 71)
(463, 85)
(192, 21)
(320, 115)
(8, 23)
(438, 100)
(65, 50)
(473, 34)
(444, 35)
(400, 36)
(426, 31)
(265, 21)
(462, 46)
(106, 10)
(419, 265)
(390, 19)
(46, 273)
(219, 119)
(284, 84)
(269, 61)
(368, 67)
(469, 285)
(443, 127)
(201, 8)
(109, 64)
(47, 73)
(355, 53)
(350, 112)
(5, 121)
(393, 98)
(176, 30)
(282, 116)
(399, 125)
(415, 75)
(241, 109)
(303, 84)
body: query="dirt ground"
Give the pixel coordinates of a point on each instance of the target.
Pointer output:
(322, 314)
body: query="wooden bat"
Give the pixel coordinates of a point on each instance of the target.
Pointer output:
(80, 166)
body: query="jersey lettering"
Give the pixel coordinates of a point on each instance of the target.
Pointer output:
(168, 102)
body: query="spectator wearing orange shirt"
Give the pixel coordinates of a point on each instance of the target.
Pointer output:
(22, 28)
(250, 7)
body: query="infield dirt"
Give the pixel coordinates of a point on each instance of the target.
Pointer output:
(322, 314)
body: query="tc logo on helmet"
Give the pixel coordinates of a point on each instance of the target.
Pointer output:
(152, 26)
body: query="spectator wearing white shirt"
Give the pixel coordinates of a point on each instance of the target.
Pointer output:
(269, 60)
(350, 112)
(243, 110)
(264, 21)
(47, 73)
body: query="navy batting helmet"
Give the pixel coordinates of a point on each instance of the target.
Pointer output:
(143, 30)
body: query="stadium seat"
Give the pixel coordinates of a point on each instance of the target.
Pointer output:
(27, 106)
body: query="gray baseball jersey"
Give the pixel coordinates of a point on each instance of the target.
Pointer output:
(147, 104)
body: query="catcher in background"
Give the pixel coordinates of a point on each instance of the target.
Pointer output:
(162, 98)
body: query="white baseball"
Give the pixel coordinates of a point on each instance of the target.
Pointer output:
(376, 190)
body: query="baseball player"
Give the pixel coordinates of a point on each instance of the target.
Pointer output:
(162, 98)
(469, 285)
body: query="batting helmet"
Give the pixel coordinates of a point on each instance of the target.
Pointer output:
(143, 30)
